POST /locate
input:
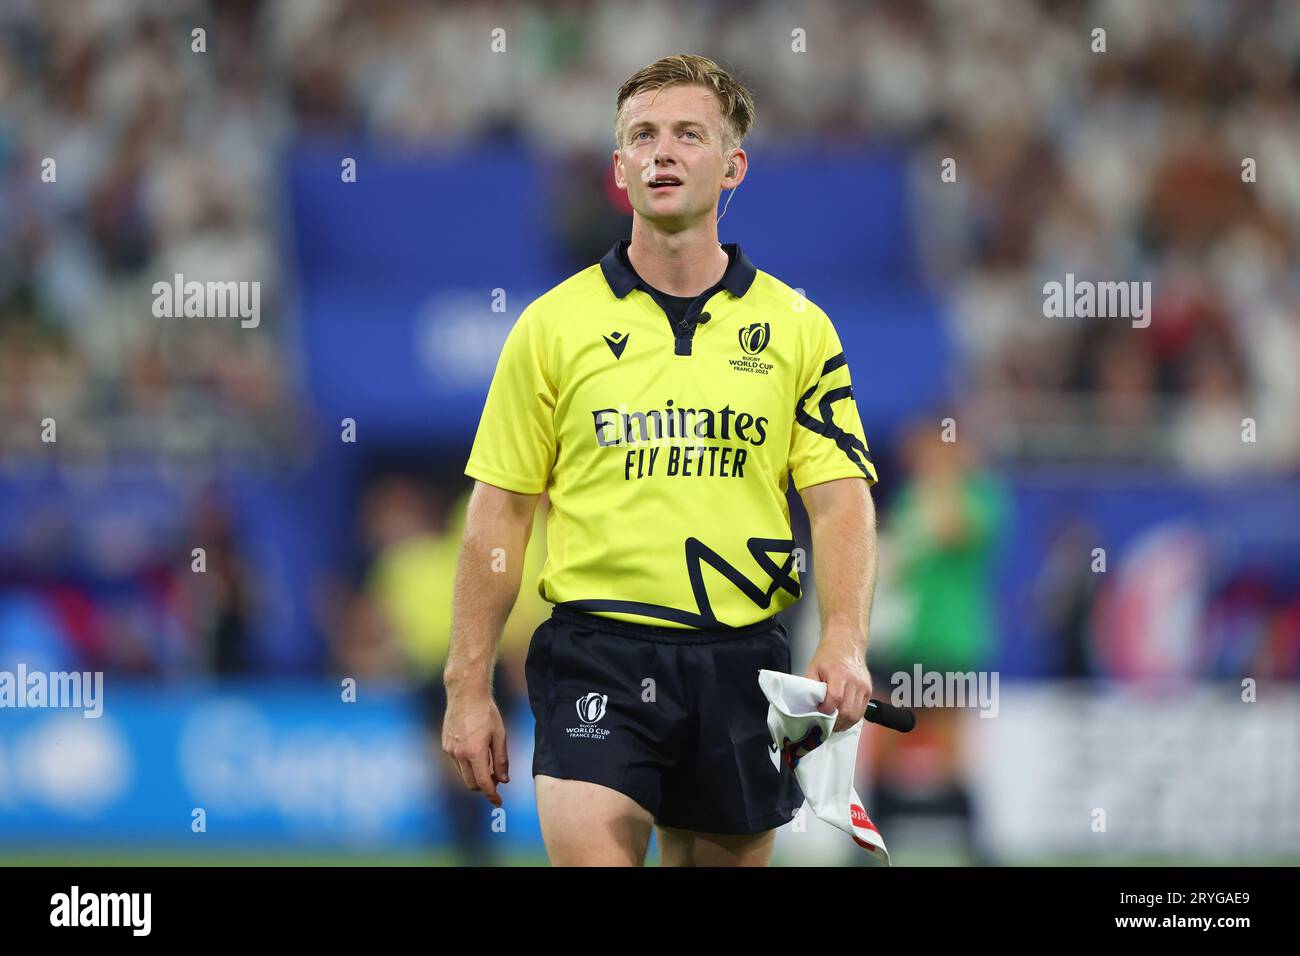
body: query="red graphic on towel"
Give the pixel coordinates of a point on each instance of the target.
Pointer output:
(858, 816)
(793, 750)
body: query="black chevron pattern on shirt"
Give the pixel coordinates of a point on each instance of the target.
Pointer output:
(698, 554)
(850, 444)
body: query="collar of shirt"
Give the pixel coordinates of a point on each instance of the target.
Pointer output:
(622, 278)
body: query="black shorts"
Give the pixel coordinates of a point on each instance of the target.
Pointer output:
(671, 717)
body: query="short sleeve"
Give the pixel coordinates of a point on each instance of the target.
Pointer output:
(514, 447)
(827, 441)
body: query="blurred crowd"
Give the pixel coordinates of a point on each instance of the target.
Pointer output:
(125, 159)
(1171, 158)
(1128, 141)
(1164, 149)
(1115, 157)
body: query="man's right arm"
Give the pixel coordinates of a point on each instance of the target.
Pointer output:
(497, 527)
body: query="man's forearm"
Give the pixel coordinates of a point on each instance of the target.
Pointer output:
(483, 599)
(844, 554)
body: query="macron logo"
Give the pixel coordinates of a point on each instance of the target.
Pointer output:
(102, 909)
(617, 342)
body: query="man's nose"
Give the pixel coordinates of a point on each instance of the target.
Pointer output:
(658, 160)
(664, 158)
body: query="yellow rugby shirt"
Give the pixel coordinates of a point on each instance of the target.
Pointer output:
(666, 450)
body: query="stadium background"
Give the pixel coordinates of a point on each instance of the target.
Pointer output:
(482, 179)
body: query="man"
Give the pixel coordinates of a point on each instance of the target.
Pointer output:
(662, 398)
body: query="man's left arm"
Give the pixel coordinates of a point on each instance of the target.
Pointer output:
(843, 519)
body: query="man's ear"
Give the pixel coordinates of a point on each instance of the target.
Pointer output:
(620, 174)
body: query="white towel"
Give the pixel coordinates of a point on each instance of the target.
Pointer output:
(823, 761)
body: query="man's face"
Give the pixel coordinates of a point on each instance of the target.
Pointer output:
(671, 162)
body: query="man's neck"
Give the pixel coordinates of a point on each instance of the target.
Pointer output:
(684, 263)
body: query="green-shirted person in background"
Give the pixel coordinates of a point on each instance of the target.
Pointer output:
(944, 526)
(943, 531)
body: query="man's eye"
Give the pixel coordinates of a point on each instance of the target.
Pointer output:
(640, 134)
(691, 132)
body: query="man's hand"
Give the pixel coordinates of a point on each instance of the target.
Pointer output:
(839, 663)
(474, 737)
(843, 520)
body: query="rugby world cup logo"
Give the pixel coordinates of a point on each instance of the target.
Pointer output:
(592, 707)
(754, 338)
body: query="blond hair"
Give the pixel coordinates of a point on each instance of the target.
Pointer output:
(735, 102)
